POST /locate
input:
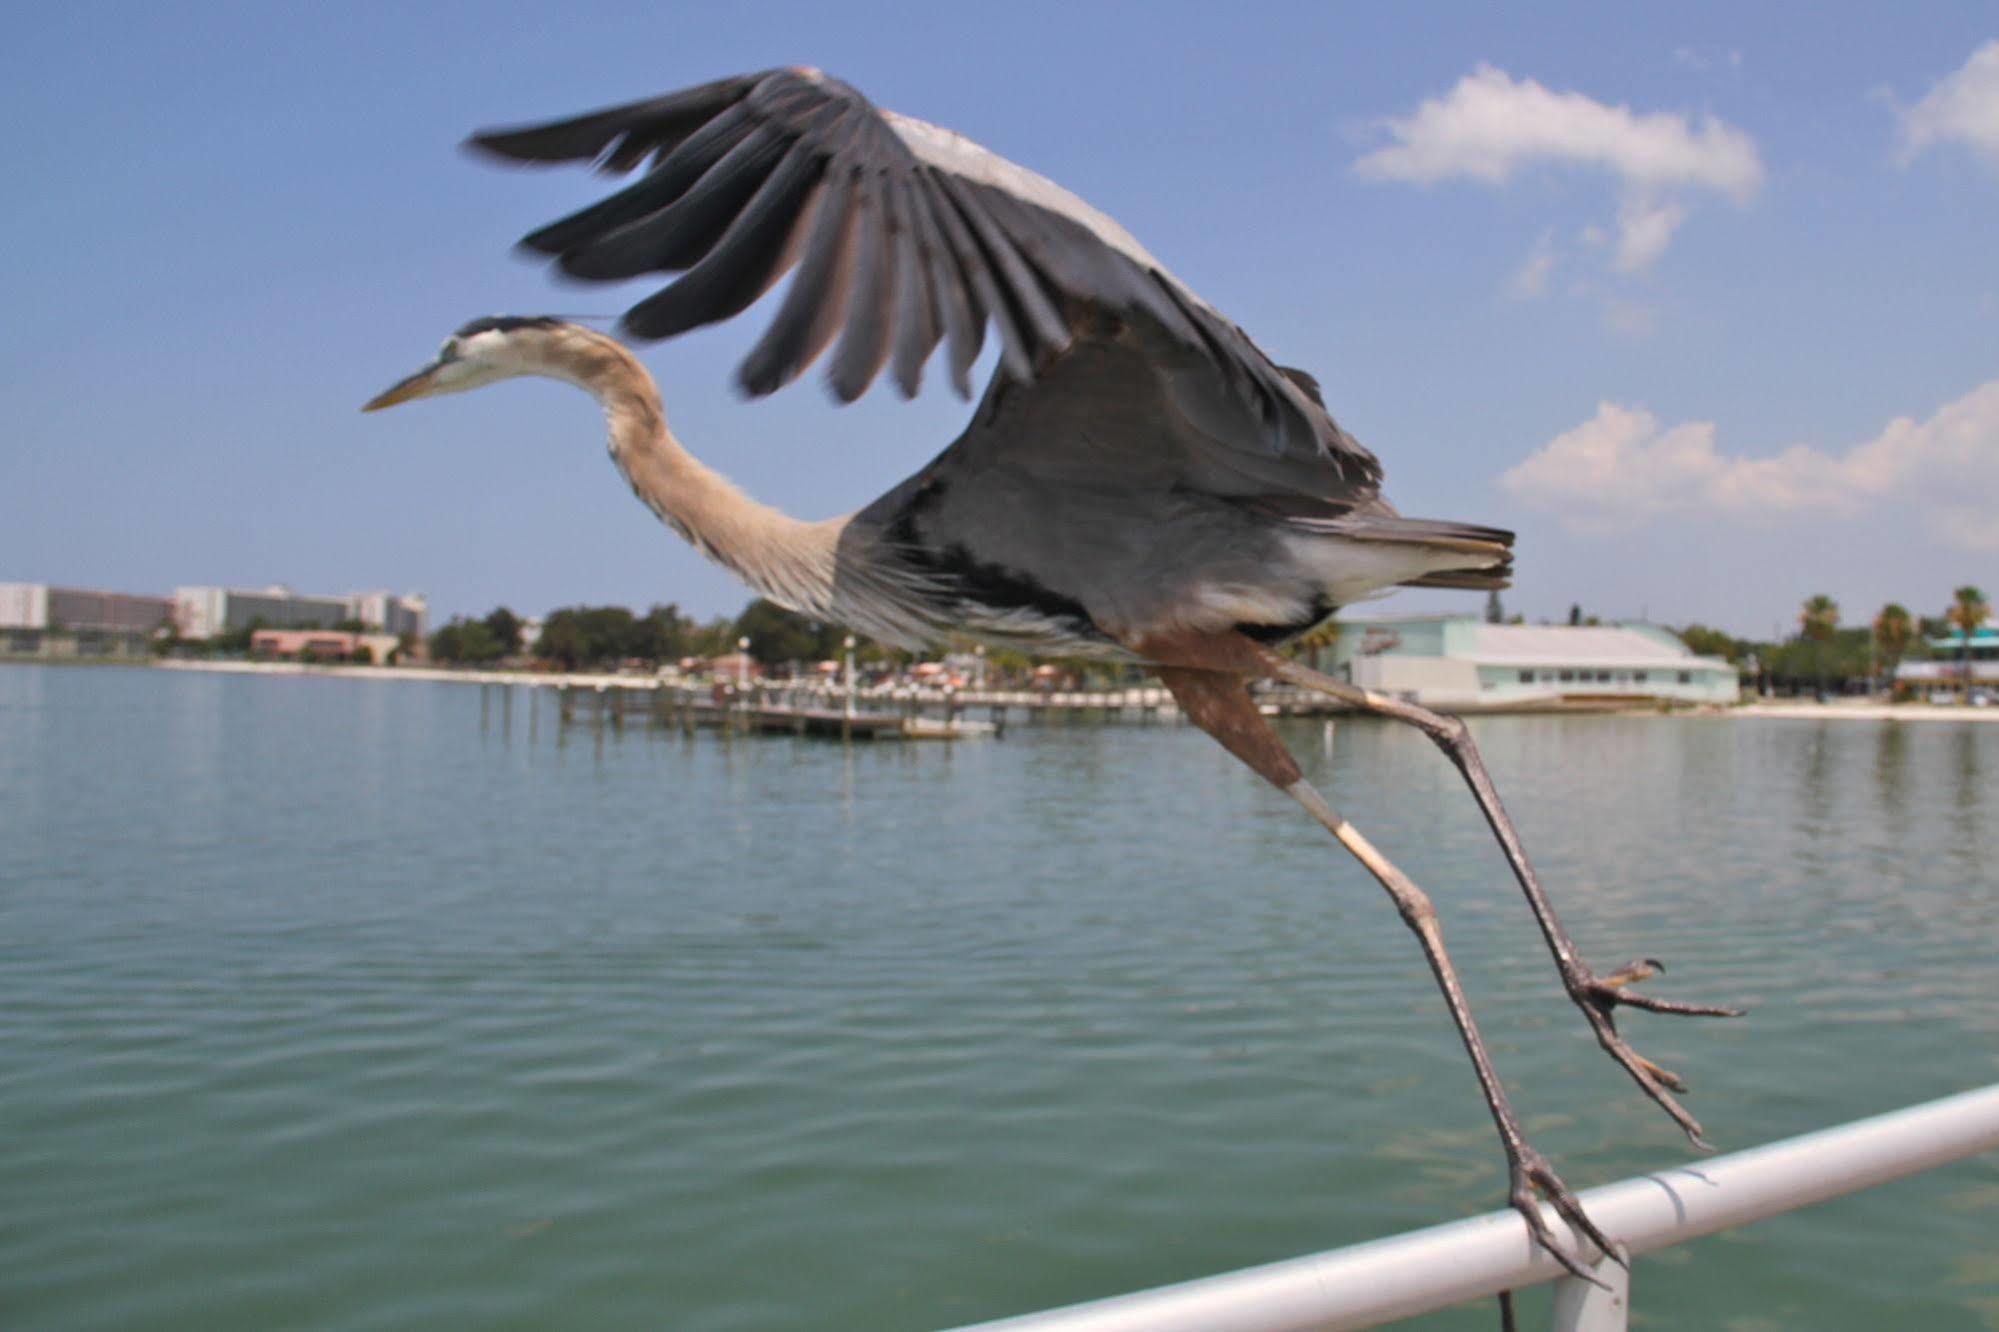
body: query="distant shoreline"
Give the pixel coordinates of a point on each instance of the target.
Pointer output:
(1773, 710)
(433, 673)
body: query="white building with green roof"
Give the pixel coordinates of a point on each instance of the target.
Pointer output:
(1461, 662)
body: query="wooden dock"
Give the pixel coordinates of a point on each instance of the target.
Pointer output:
(887, 712)
(688, 710)
(890, 712)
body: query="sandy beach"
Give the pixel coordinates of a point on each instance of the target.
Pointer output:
(1862, 710)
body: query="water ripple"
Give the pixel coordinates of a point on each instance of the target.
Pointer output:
(447, 1028)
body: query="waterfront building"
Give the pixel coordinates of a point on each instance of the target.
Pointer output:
(324, 644)
(321, 645)
(41, 619)
(1461, 662)
(408, 613)
(205, 612)
(1956, 663)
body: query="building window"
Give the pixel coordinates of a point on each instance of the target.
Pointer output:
(1640, 676)
(1686, 677)
(1526, 677)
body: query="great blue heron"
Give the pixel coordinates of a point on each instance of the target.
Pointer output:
(1140, 482)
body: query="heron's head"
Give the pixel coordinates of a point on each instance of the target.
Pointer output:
(484, 352)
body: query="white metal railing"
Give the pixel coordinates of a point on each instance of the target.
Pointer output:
(1427, 1270)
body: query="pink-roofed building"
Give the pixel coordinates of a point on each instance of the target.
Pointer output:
(326, 644)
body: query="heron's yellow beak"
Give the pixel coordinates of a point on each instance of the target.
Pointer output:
(416, 386)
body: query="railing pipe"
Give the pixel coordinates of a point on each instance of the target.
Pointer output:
(1426, 1270)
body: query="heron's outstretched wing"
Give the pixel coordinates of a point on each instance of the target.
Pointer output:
(903, 234)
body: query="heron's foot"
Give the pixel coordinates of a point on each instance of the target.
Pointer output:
(1533, 1180)
(1599, 996)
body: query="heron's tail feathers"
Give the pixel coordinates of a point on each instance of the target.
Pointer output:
(1487, 551)
(1490, 580)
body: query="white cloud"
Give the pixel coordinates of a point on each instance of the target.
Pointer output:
(1623, 467)
(1963, 108)
(1530, 281)
(1491, 126)
(1644, 229)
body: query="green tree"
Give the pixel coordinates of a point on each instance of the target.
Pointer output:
(562, 639)
(1893, 628)
(778, 636)
(1817, 622)
(663, 635)
(505, 627)
(1707, 642)
(713, 638)
(589, 636)
(608, 632)
(467, 641)
(1968, 610)
(597, 636)
(1818, 619)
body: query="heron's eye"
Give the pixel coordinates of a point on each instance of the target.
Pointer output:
(449, 351)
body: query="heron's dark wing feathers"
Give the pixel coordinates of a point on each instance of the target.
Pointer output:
(1304, 381)
(902, 236)
(1128, 411)
(620, 137)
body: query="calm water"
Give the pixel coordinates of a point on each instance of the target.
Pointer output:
(320, 1006)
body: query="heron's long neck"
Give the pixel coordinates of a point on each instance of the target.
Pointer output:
(787, 560)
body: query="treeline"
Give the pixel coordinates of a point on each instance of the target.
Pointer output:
(476, 642)
(1823, 650)
(577, 637)
(605, 637)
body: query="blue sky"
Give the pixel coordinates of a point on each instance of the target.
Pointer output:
(1652, 286)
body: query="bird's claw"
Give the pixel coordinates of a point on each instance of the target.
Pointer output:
(1638, 969)
(1599, 996)
(1534, 1179)
(1606, 992)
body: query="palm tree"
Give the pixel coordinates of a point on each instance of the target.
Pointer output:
(1968, 610)
(1816, 623)
(1893, 628)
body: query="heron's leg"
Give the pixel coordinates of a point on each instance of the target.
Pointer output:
(1220, 704)
(1597, 996)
